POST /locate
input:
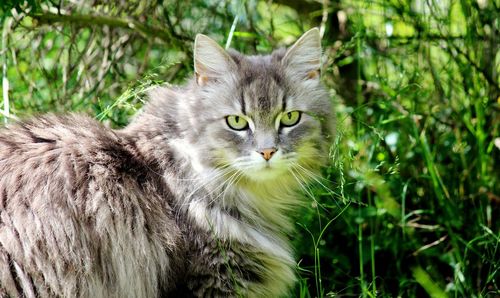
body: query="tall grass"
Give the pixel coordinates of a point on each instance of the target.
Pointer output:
(416, 143)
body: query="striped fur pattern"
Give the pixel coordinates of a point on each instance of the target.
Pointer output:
(177, 204)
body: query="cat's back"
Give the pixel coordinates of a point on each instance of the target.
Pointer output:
(50, 135)
(77, 208)
(56, 154)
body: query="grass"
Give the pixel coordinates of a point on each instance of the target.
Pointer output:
(416, 200)
(409, 204)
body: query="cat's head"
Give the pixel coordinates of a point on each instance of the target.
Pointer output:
(264, 117)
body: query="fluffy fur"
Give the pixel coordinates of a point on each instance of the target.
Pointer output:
(177, 204)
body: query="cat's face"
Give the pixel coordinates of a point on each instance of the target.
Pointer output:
(261, 117)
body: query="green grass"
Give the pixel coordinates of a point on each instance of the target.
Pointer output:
(410, 201)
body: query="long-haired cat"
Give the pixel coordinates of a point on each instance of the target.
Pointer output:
(193, 198)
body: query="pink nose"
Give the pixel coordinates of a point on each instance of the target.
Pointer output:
(267, 153)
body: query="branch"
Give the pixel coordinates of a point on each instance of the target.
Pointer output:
(477, 67)
(418, 35)
(147, 31)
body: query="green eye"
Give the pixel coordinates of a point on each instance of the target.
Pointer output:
(290, 118)
(236, 122)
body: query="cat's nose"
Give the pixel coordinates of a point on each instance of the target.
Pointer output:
(267, 153)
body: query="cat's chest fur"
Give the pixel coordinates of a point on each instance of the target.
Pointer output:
(227, 249)
(227, 253)
(249, 266)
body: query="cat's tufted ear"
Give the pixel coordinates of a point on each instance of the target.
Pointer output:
(210, 60)
(304, 57)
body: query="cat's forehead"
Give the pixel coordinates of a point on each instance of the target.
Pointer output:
(259, 67)
(261, 83)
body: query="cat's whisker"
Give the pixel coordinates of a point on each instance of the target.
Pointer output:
(316, 178)
(247, 166)
(232, 181)
(225, 184)
(221, 184)
(303, 184)
(205, 183)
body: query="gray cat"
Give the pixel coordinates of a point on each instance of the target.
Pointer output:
(192, 199)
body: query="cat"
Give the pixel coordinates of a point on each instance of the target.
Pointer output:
(192, 199)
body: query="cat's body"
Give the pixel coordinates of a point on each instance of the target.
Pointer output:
(81, 214)
(174, 204)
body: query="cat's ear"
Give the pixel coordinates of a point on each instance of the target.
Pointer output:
(210, 60)
(304, 57)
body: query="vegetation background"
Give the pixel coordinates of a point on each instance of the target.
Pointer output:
(410, 203)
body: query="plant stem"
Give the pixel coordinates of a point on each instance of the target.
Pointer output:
(372, 246)
(5, 82)
(147, 31)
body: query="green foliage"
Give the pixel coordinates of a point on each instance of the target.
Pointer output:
(408, 205)
(6, 6)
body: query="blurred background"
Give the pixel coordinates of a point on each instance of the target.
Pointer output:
(409, 204)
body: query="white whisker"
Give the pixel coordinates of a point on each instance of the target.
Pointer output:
(303, 184)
